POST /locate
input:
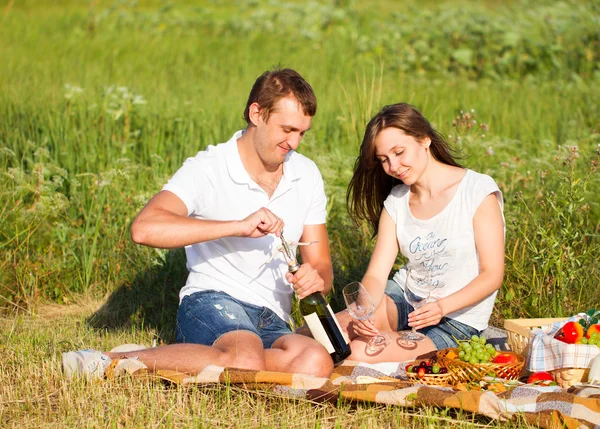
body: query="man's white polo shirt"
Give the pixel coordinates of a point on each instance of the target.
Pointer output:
(215, 185)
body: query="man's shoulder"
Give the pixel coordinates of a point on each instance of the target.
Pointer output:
(213, 153)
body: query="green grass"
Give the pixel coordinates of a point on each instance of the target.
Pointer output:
(101, 102)
(33, 392)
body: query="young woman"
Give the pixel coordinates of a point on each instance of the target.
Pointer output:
(445, 219)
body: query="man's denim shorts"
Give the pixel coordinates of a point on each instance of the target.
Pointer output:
(204, 317)
(443, 335)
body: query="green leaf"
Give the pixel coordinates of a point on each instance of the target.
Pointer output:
(591, 312)
(594, 321)
(511, 39)
(463, 56)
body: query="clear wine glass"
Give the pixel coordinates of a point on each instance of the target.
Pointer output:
(361, 307)
(415, 300)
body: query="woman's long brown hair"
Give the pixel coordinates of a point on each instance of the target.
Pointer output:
(370, 185)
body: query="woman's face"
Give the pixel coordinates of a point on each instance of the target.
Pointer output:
(402, 156)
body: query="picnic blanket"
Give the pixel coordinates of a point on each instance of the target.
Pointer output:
(387, 383)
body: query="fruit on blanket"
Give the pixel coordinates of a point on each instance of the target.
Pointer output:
(538, 377)
(505, 358)
(570, 333)
(594, 340)
(594, 329)
(476, 350)
(424, 368)
(452, 355)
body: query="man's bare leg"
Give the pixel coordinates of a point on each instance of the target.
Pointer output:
(238, 349)
(300, 354)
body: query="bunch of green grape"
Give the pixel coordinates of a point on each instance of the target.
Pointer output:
(476, 350)
(594, 340)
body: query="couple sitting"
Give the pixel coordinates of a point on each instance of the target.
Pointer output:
(229, 204)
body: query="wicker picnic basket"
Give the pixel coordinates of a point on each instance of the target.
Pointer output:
(430, 379)
(567, 377)
(518, 330)
(466, 372)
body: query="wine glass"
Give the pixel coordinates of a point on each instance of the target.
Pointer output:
(415, 300)
(361, 307)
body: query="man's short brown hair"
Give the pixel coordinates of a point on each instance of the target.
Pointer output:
(276, 84)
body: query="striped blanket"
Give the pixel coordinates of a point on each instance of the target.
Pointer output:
(386, 383)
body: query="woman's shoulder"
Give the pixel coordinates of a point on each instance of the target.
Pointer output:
(396, 200)
(479, 186)
(475, 179)
(399, 191)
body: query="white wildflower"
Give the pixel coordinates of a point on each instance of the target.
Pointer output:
(41, 153)
(138, 99)
(159, 160)
(10, 154)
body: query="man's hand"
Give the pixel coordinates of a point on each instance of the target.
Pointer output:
(261, 223)
(306, 281)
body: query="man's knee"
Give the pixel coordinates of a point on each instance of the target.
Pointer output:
(241, 349)
(314, 360)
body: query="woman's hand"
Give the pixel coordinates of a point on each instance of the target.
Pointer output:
(428, 315)
(363, 328)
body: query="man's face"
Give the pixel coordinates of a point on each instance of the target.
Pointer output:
(282, 132)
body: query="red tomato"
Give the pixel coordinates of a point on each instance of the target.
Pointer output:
(505, 358)
(537, 377)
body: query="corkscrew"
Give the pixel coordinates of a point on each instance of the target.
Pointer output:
(288, 254)
(290, 257)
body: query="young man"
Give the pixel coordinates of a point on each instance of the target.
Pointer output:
(228, 207)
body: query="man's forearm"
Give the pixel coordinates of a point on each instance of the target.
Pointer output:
(170, 231)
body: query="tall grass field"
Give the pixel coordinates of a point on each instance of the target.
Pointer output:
(102, 101)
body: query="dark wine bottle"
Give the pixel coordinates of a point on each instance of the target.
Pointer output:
(322, 323)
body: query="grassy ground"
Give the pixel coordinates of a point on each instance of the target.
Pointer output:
(33, 393)
(100, 102)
